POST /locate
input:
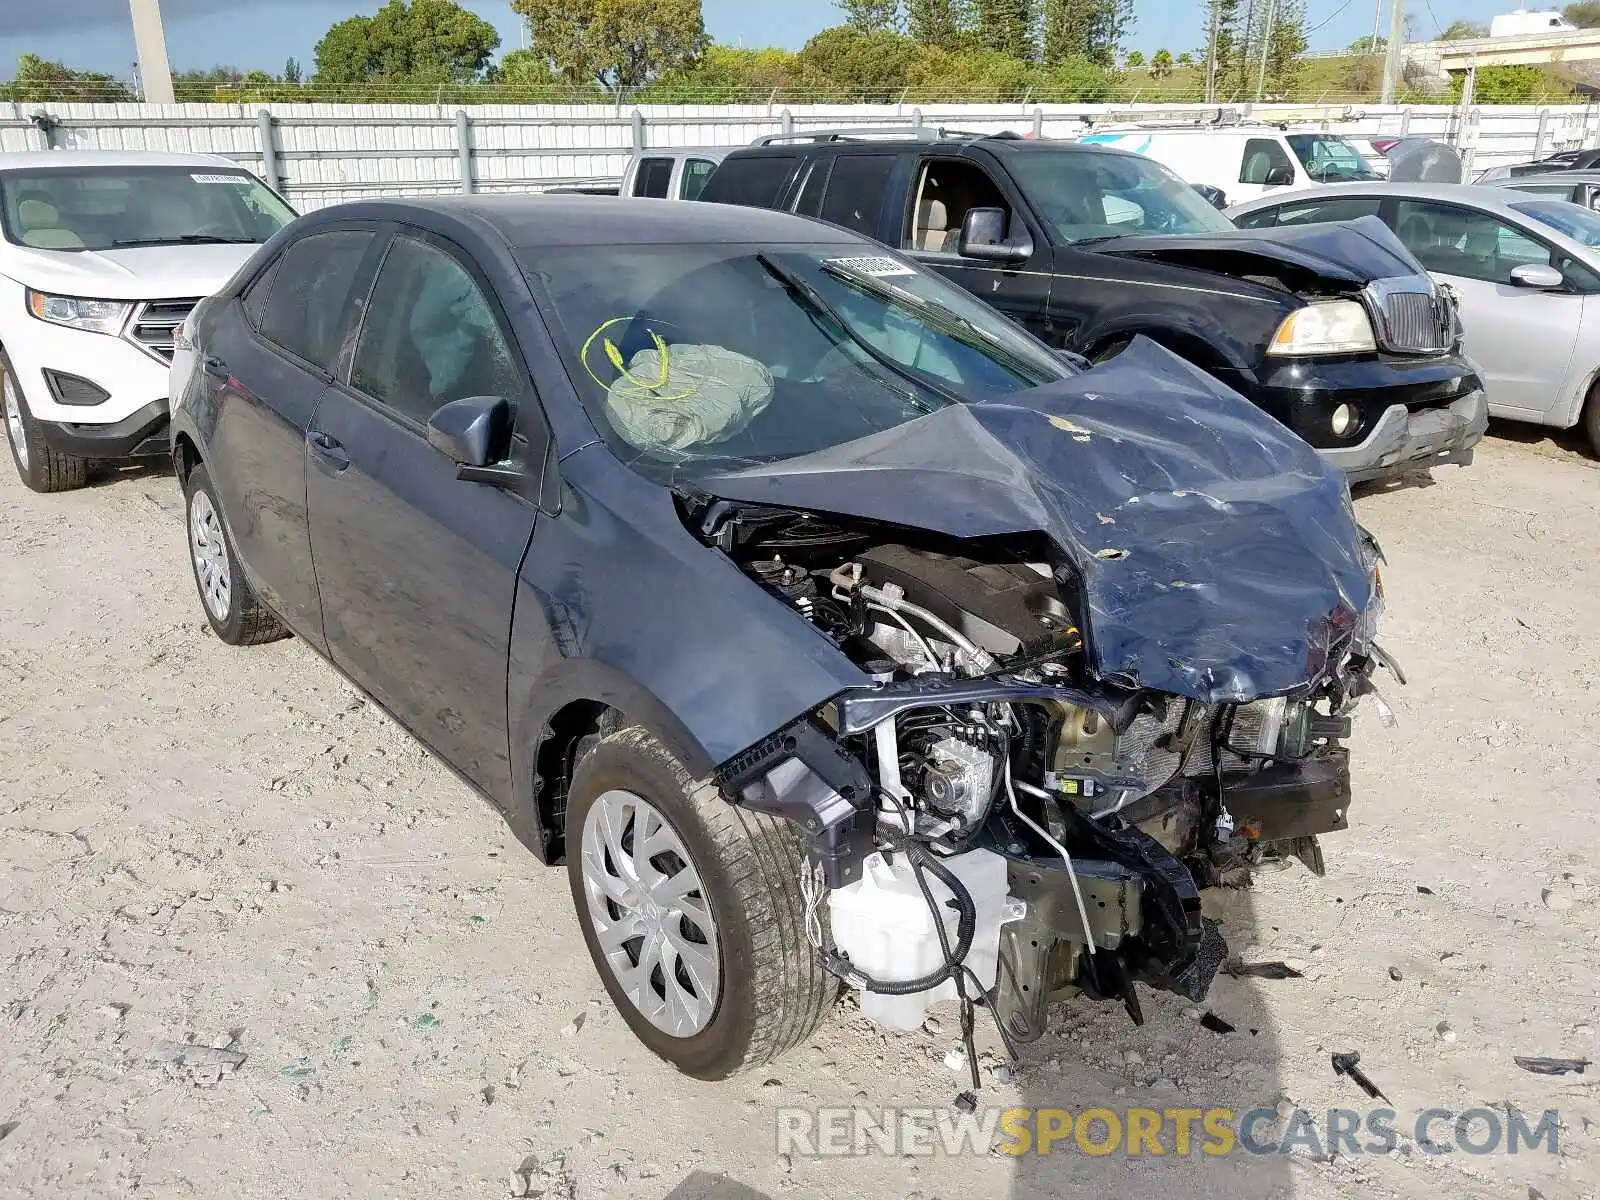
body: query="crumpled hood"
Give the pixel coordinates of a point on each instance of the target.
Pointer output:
(134, 273)
(1217, 554)
(1347, 251)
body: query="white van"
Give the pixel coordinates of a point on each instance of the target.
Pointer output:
(1248, 161)
(1523, 23)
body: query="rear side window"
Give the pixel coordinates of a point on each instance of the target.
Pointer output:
(306, 290)
(431, 337)
(1265, 160)
(696, 174)
(257, 294)
(1314, 212)
(654, 178)
(856, 192)
(752, 182)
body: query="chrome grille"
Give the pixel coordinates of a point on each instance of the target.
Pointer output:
(1415, 322)
(155, 324)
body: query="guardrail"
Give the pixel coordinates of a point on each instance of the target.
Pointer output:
(321, 154)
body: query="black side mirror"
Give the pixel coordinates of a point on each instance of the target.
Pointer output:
(1279, 177)
(475, 434)
(983, 236)
(1213, 196)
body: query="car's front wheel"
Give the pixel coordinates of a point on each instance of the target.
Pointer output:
(1591, 420)
(692, 910)
(236, 614)
(39, 467)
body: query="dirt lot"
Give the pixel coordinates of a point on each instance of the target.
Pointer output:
(231, 848)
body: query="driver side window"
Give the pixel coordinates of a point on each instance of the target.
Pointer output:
(1265, 161)
(947, 190)
(431, 337)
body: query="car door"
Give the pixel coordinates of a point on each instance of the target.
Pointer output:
(1264, 165)
(946, 189)
(269, 357)
(1522, 339)
(417, 568)
(653, 178)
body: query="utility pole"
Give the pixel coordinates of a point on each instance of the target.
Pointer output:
(1377, 24)
(1394, 60)
(151, 44)
(1211, 59)
(1266, 48)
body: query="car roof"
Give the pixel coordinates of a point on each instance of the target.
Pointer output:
(686, 151)
(949, 144)
(1475, 194)
(526, 220)
(33, 160)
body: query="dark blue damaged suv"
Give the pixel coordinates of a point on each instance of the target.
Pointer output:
(765, 579)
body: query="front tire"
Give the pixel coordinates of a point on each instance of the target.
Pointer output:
(231, 606)
(691, 909)
(38, 466)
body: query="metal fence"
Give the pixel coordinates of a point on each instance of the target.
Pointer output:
(320, 154)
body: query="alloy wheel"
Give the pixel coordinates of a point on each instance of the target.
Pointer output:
(649, 913)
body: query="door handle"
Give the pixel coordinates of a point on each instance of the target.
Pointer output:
(214, 366)
(327, 453)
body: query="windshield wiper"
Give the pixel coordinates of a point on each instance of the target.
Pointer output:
(192, 239)
(813, 299)
(946, 321)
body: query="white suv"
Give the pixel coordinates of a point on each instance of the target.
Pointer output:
(102, 256)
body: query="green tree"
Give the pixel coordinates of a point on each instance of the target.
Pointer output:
(1007, 26)
(1186, 59)
(1287, 43)
(729, 72)
(1461, 31)
(872, 16)
(617, 43)
(1074, 81)
(1092, 29)
(1161, 64)
(1510, 85)
(1369, 45)
(1225, 47)
(946, 24)
(425, 40)
(1135, 59)
(979, 76)
(291, 71)
(870, 67)
(38, 79)
(1585, 14)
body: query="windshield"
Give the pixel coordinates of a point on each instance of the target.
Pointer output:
(1329, 159)
(1088, 196)
(1577, 222)
(716, 356)
(105, 208)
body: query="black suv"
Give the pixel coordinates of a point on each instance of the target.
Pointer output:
(1336, 330)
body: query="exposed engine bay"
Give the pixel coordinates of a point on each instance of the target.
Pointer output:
(987, 820)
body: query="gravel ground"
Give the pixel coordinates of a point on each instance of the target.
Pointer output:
(232, 849)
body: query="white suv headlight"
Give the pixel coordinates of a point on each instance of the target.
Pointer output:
(1325, 327)
(96, 316)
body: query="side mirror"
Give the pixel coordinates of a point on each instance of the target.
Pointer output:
(983, 236)
(1279, 177)
(474, 433)
(1537, 277)
(1213, 196)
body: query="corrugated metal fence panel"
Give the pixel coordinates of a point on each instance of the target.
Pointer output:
(325, 153)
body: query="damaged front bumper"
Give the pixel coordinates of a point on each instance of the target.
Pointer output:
(1403, 439)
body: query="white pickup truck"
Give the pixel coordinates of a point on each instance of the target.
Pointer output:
(670, 173)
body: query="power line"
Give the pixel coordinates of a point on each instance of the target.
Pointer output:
(1332, 17)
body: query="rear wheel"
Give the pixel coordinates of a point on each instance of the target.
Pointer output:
(236, 615)
(691, 909)
(38, 466)
(1591, 420)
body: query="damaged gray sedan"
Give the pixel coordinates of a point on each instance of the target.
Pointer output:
(825, 625)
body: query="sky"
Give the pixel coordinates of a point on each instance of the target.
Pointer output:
(261, 34)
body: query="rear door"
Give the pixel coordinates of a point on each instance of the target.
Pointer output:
(693, 176)
(653, 177)
(1522, 339)
(416, 568)
(268, 358)
(948, 188)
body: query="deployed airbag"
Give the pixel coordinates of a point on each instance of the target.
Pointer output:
(672, 398)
